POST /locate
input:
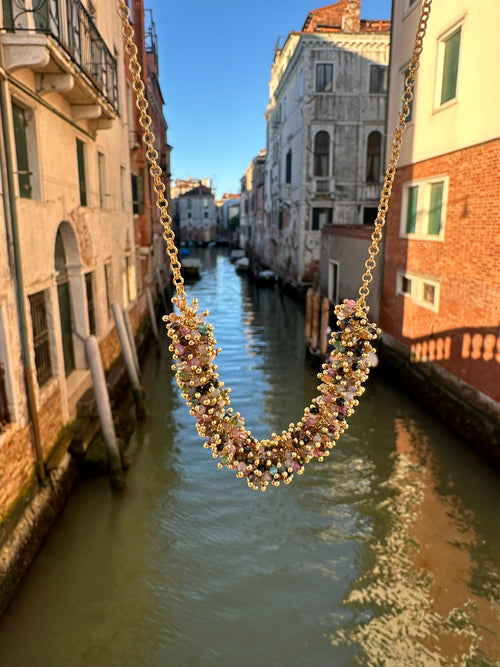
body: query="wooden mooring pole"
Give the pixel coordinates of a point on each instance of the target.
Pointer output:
(104, 412)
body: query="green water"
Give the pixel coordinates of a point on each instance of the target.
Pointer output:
(387, 553)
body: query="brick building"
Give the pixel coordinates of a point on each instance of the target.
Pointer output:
(440, 308)
(150, 255)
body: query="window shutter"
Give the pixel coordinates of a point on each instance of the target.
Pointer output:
(435, 208)
(411, 210)
(23, 168)
(450, 67)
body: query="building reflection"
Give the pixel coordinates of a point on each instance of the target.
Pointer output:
(419, 591)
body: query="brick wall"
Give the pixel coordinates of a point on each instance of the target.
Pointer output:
(17, 459)
(463, 336)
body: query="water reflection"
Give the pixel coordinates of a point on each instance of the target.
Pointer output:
(376, 556)
(415, 603)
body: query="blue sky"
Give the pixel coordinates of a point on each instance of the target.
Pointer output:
(215, 64)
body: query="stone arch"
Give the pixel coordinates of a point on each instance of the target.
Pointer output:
(71, 297)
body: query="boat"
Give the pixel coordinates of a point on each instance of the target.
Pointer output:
(236, 254)
(242, 264)
(266, 276)
(191, 267)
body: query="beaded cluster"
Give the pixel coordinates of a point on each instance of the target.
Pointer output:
(274, 460)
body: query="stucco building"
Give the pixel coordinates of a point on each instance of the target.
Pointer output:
(197, 215)
(68, 243)
(252, 205)
(325, 134)
(440, 308)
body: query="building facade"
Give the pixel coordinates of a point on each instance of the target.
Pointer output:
(197, 215)
(325, 135)
(68, 246)
(150, 258)
(440, 306)
(252, 205)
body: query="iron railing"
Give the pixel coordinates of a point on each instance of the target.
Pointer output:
(72, 26)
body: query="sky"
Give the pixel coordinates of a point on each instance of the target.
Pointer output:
(215, 60)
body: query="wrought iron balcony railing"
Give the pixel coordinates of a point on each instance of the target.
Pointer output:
(68, 22)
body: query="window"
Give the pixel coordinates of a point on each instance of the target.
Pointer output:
(378, 79)
(369, 214)
(20, 117)
(406, 285)
(450, 48)
(321, 153)
(324, 78)
(288, 169)
(423, 210)
(82, 180)
(137, 194)
(101, 168)
(285, 103)
(108, 279)
(373, 155)
(320, 218)
(89, 289)
(423, 291)
(301, 84)
(41, 339)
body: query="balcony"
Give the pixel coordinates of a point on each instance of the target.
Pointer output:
(58, 39)
(324, 188)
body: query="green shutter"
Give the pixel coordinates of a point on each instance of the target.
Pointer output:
(450, 67)
(435, 208)
(411, 210)
(23, 167)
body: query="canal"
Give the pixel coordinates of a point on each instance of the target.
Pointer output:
(387, 553)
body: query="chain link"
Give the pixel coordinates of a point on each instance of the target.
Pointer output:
(390, 172)
(155, 170)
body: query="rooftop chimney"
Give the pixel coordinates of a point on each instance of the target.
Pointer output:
(351, 16)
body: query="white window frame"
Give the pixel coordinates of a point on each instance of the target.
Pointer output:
(323, 92)
(417, 286)
(440, 66)
(423, 205)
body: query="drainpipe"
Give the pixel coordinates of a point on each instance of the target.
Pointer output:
(12, 222)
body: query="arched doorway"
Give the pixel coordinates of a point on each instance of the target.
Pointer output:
(64, 298)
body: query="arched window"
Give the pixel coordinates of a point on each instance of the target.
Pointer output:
(373, 154)
(321, 153)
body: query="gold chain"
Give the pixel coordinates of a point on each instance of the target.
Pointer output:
(390, 172)
(155, 170)
(148, 139)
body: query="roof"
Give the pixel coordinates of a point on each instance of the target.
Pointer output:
(342, 16)
(198, 191)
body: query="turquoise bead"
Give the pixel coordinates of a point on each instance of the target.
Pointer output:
(273, 470)
(202, 328)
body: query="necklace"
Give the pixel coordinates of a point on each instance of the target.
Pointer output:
(275, 459)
